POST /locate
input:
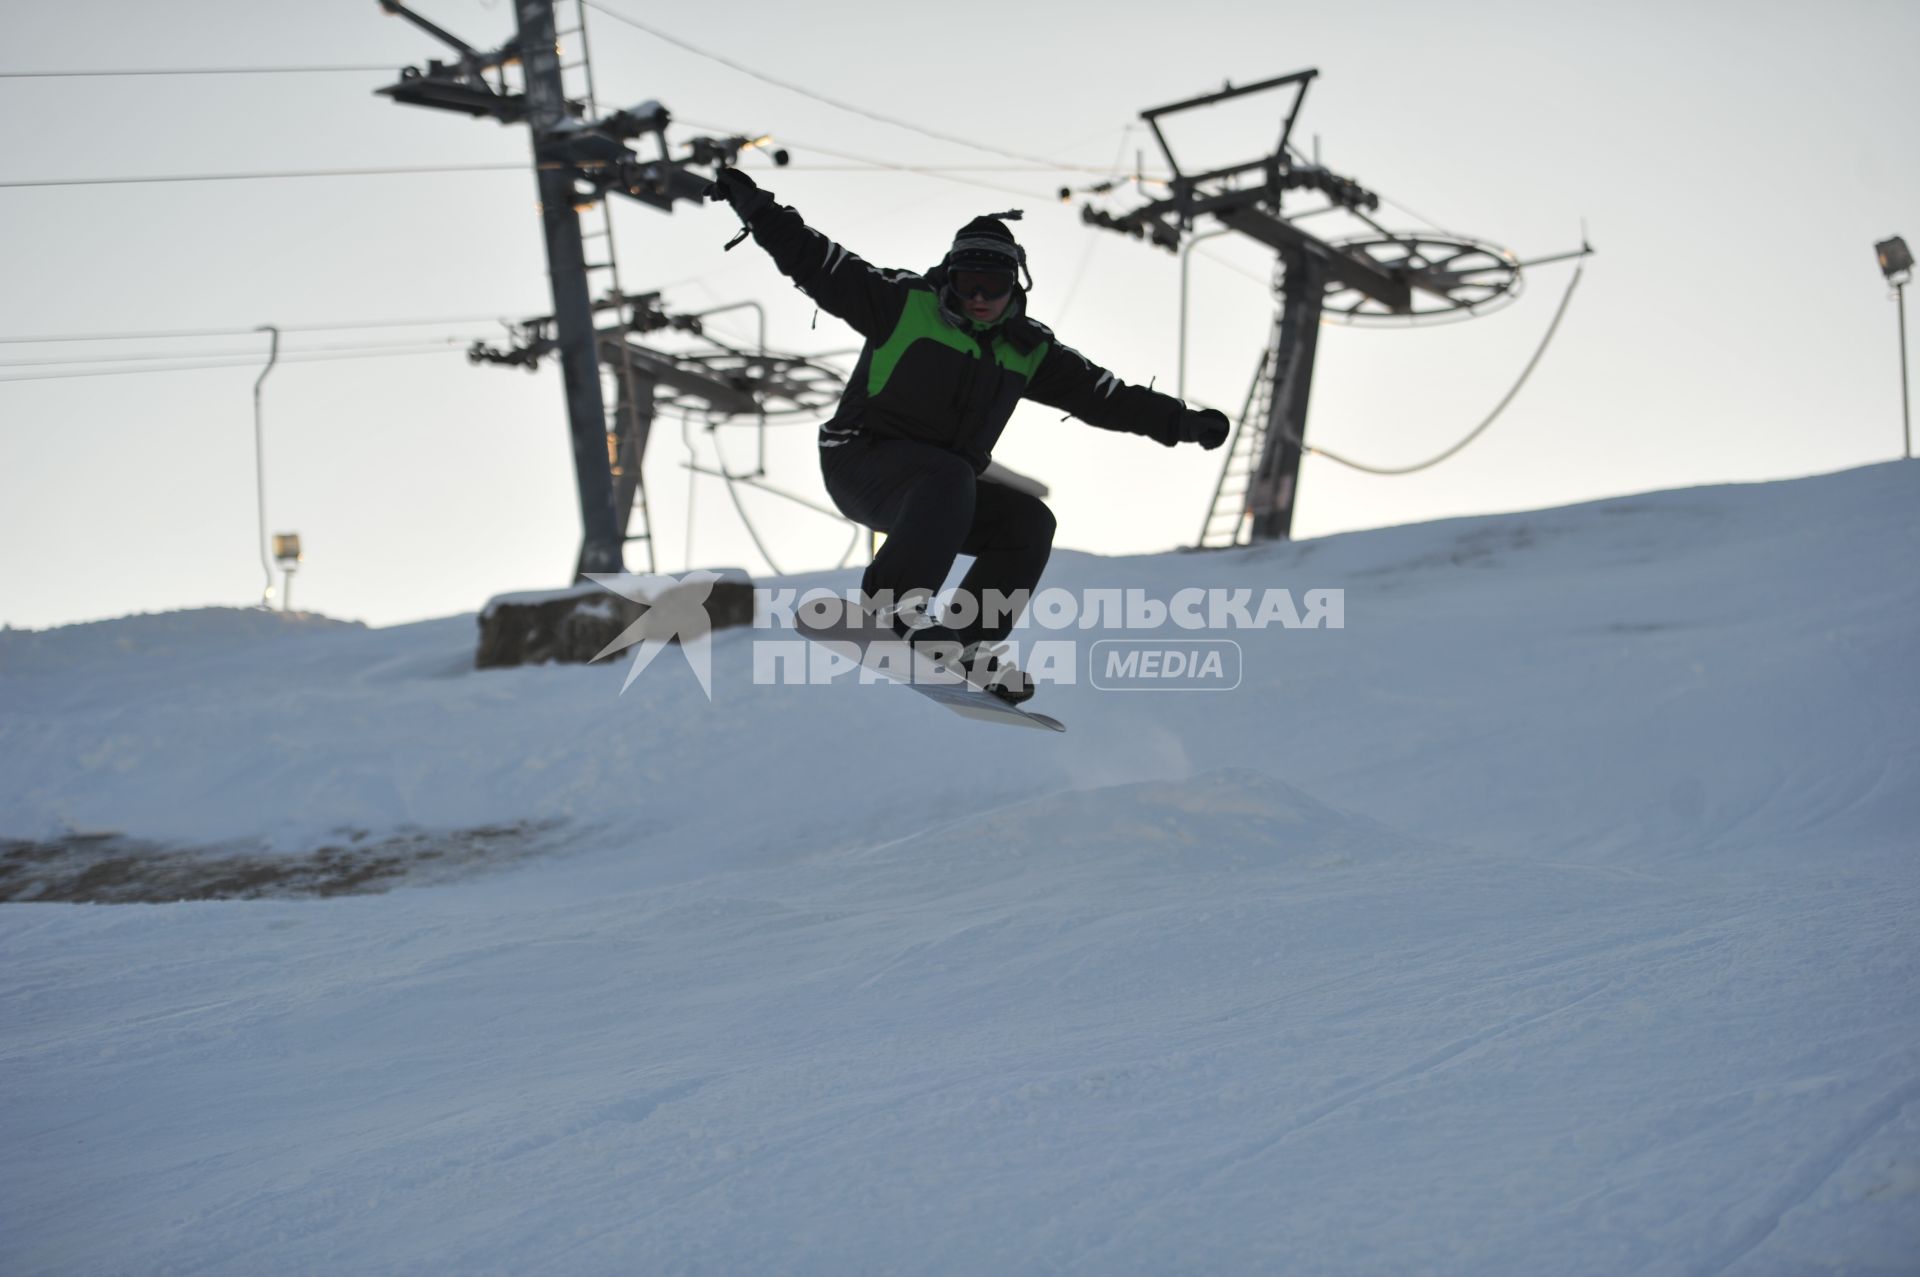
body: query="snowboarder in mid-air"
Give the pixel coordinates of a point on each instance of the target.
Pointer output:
(948, 355)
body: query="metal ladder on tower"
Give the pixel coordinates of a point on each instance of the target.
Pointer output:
(598, 239)
(1227, 521)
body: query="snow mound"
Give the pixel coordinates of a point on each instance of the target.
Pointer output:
(156, 635)
(1225, 821)
(1555, 916)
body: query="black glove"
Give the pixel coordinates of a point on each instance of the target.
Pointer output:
(739, 190)
(1207, 427)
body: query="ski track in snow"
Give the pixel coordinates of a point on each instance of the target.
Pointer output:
(1556, 916)
(1808, 1177)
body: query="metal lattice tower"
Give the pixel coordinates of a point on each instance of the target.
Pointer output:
(581, 158)
(1261, 509)
(1376, 277)
(630, 415)
(1226, 522)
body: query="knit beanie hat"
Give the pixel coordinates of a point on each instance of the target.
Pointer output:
(985, 243)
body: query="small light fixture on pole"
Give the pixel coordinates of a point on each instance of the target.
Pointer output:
(286, 552)
(1896, 263)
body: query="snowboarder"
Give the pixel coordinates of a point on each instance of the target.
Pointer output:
(947, 356)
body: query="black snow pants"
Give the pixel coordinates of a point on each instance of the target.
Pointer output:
(933, 509)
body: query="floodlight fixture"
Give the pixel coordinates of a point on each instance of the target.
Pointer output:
(1896, 263)
(286, 553)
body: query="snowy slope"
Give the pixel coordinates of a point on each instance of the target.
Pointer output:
(1557, 915)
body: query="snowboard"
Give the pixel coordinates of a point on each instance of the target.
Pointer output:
(858, 637)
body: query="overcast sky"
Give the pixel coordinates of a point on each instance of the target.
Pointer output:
(1734, 162)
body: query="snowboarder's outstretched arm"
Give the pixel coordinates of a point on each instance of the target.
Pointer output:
(868, 298)
(1068, 380)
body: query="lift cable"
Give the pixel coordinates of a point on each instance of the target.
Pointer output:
(342, 326)
(176, 355)
(803, 91)
(252, 177)
(231, 363)
(1476, 432)
(132, 71)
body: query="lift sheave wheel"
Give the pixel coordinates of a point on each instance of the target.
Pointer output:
(1451, 278)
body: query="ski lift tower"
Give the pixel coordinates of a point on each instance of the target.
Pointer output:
(713, 380)
(1378, 276)
(580, 157)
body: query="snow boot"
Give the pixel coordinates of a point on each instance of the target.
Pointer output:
(981, 664)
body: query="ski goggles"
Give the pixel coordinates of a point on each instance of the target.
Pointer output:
(986, 285)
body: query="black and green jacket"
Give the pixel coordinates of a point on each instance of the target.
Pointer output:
(927, 372)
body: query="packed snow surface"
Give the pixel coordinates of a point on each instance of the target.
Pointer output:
(1558, 915)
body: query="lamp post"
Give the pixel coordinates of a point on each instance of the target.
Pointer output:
(260, 462)
(286, 552)
(1896, 263)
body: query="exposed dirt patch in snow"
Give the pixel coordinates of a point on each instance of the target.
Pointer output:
(110, 869)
